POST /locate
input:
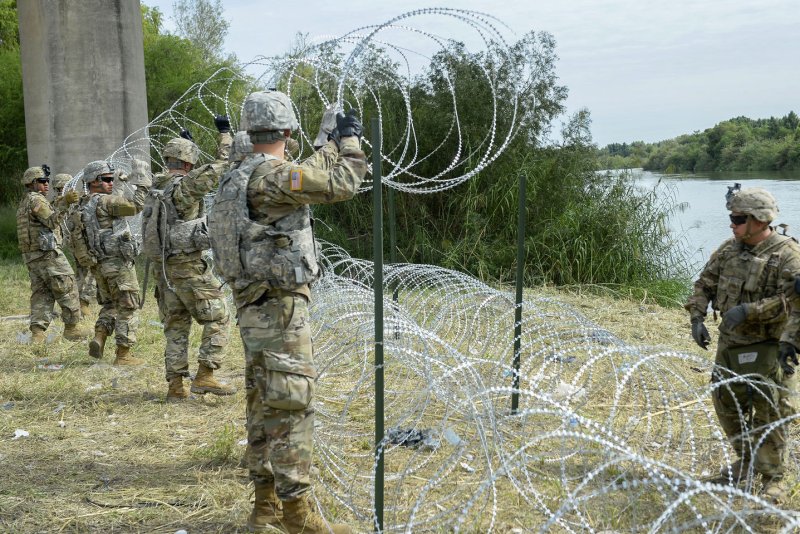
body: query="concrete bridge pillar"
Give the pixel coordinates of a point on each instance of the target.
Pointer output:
(83, 79)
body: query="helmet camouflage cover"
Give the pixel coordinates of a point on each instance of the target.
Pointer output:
(95, 169)
(181, 149)
(32, 174)
(754, 201)
(60, 180)
(266, 111)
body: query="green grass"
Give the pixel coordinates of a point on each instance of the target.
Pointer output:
(8, 232)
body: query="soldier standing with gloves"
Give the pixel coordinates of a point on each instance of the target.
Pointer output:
(52, 277)
(261, 234)
(750, 280)
(102, 241)
(176, 241)
(87, 287)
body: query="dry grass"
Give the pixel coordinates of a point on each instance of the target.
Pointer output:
(106, 454)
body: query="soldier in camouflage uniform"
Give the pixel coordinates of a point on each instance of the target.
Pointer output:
(102, 241)
(52, 278)
(750, 280)
(87, 287)
(176, 241)
(261, 234)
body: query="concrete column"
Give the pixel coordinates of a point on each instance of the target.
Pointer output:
(83, 79)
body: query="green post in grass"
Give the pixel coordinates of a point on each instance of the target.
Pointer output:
(518, 300)
(377, 224)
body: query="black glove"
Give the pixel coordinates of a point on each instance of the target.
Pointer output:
(46, 169)
(223, 123)
(787, 356)
(348, 125)
(735, 316)
(700, 333)
(186, 134)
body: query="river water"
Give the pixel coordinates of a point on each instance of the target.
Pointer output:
(703, 222)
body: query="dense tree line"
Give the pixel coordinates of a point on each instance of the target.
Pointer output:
(738, 144)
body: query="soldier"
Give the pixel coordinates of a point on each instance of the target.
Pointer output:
(102, 241)
(52, 278)
(176, 241)
(261, 234)
(750, 280)
(87, 287)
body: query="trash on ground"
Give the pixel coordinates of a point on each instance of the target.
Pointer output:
(414, 438)
(19, 433)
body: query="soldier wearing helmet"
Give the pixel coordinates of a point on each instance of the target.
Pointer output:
(87, 287)
(103, 242)
(52, 277)
(261, 235)
(176, 242)
(749, 279)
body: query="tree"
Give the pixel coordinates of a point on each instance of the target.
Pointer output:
(202, 23)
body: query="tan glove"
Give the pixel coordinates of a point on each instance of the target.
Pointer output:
(140, 174)
(327, 125)
(71, 197)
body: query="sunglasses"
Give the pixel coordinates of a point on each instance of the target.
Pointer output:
(107, 179)
(43, 180)
(738, 219)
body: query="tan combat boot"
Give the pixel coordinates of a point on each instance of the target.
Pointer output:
(38, 334)
(204, 382)
(176, 391)
(124, 357)
(98, 344)
(74, 332)
(86, 310)
(266, 513)
(299, 517)
(737, 472)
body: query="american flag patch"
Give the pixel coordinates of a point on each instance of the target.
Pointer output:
(296, 180)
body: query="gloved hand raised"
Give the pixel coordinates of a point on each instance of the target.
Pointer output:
(327, 126)
(223, 124)
(71, 197)
(140, 174)
(349, 125)
(735, 316)
(700, 333)
(787, 356)
(186, 134)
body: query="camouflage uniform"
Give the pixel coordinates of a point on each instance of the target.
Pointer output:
(87, 287)
(762, 277)
(186, 286)
(52, 278)
(273, 316)
(115, 273)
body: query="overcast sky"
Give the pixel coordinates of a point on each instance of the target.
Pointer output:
(646, 70)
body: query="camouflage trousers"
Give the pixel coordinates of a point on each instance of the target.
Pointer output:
(745, 411)
(52, 281)
(118, 296)
(280, 381)
(87, 286)
(192, 292)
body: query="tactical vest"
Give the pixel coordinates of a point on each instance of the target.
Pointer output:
(282, 253)
(32, 235)
(165, 233)
(98, 243)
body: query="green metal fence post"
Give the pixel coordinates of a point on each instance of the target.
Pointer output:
(377, 223)
(518, 300)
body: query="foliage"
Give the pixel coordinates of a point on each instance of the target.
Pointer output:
(13, 151)
(203, 24)
(9, 248)
(583, 227)
(739, 144)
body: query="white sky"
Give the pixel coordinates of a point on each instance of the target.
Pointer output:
(646, 69)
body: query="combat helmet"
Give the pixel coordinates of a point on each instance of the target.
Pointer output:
(754, 201)
(181, 149)
(95, 169)
(60, 180)
(265, 111)
(34, 173)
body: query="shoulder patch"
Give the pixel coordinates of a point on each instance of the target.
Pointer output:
(296, 179)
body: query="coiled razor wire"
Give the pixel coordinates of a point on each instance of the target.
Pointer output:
(608, 437)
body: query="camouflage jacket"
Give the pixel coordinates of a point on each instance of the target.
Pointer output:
(277, 188)
(38, 227)
(761, 276)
